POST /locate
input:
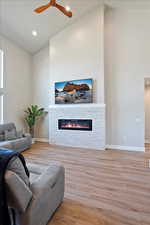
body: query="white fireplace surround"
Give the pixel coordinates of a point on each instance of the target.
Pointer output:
(94, 139)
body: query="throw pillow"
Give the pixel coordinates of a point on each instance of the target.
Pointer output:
(10, 135)
(19, 134)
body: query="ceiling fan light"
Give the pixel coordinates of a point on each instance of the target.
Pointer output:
(68, 8)
(34, 33)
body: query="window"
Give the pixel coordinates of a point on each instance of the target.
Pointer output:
(1, 87)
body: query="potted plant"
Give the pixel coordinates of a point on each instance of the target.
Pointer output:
(32, 115)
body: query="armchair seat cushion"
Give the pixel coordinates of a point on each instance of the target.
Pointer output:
(51, 174)
(36, 168)
(35, 171)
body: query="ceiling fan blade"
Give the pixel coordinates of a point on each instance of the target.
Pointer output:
(63, 10)
(43, 8)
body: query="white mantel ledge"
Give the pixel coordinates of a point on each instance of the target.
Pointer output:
(77, 105)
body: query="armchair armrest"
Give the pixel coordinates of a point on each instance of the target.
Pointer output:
(48, 179)
(18, 193)
(27, 135)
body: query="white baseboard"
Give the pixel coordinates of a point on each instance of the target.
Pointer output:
(42, 139)
(126, 148)
(117, 147)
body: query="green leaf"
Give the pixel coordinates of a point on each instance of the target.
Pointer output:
(32, 114)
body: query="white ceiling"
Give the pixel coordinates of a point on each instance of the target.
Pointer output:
(17, 19)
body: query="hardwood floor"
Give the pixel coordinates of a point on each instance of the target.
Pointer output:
(102, 187)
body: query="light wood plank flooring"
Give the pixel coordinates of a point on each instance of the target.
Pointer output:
(102, 187)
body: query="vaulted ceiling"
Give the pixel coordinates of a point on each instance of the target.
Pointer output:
(17, 19)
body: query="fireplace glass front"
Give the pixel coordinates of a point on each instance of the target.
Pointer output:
(75, 124)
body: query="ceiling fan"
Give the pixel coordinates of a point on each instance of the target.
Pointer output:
(53, 3)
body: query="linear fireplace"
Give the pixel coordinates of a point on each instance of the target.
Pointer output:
(75, 124)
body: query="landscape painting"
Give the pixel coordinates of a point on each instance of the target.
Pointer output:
(74, 92)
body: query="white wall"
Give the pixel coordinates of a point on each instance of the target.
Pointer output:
(77, 53)
(127, 54)
(17, 77)
(40, 88)
(147, 113)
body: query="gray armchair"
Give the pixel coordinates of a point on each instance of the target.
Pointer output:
(36, 199)
(18, 144)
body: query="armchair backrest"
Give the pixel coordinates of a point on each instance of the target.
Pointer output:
(6, 126)
(16, 166)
